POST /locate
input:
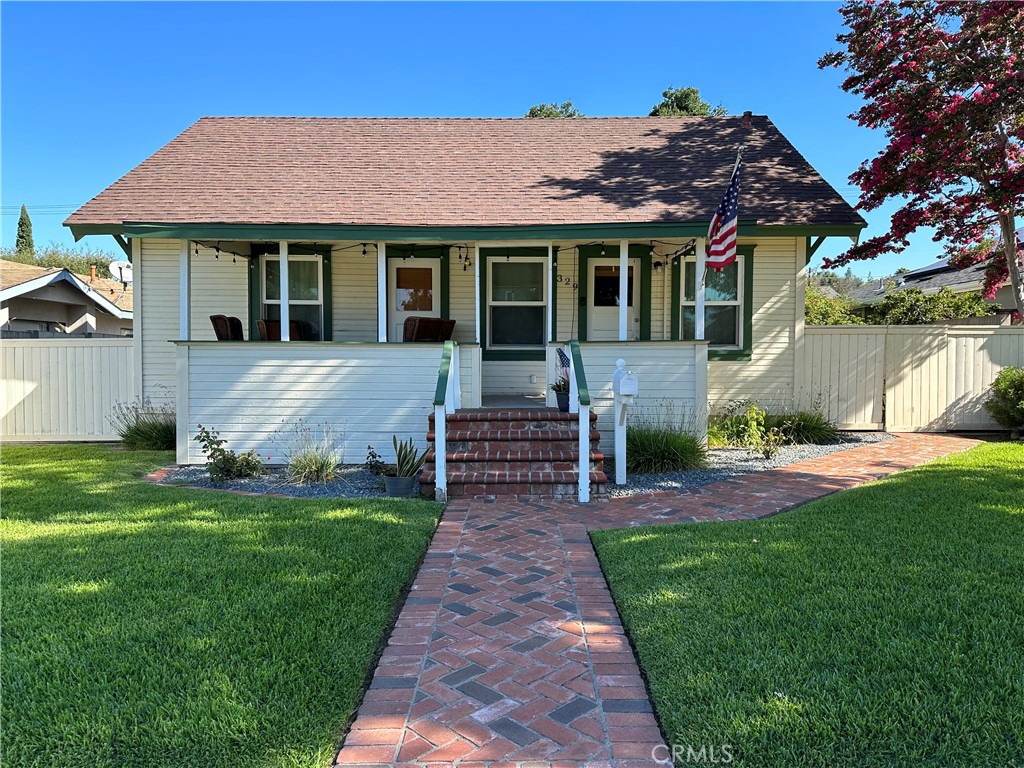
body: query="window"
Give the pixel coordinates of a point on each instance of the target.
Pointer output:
(606, 286)
(723, 304)
(305, 292)
(516, 303)
(414, 289)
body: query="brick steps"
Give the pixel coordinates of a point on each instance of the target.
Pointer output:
(507, 452)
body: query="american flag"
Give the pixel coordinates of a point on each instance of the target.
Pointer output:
(563, 360)
(721, 247)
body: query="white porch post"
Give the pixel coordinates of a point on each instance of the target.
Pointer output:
(624, 290)
(184, 291)
(551, 290)
(285, 316)
(382, 292)
(698, 298)
(476, 289)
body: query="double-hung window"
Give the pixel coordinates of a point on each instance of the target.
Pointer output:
(723, 304)
(305, 292)
(516, 303)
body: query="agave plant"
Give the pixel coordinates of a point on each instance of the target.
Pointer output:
(407, 461)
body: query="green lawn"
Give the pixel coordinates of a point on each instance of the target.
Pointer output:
(883, 626)
(160, 626)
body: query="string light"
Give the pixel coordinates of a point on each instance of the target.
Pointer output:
(216, 252)
(364, 249)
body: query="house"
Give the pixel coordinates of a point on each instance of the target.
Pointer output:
(934, 277)
(526, 233)
(41, 301)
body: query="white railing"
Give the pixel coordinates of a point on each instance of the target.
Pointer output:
(447, 399)
(579, 402)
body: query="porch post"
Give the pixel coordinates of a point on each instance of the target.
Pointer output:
(551, 294)
(382, 292)
(476, 288)
(285, 316)
(698, 298)
(184, 291)
(624, 290)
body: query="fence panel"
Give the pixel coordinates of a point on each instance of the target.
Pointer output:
(907, 378)
(845, 374)
(63, 389)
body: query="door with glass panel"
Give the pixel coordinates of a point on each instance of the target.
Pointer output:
(305, 293)
(414, 290)
(603, 300)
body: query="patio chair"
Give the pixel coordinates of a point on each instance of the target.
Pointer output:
(221, 327)
(419, 328)
(235, 332)
(270, 330)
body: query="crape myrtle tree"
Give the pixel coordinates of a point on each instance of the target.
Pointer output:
(945, 81)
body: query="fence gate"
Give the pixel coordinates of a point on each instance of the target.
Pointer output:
(906, 378)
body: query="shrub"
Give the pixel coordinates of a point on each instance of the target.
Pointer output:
(313, 453)
(805, 427)
(223, 463)
(407, 461)
(732, 427)
(662, 441)
(143, 426)
(1007, 401)
(374, 463)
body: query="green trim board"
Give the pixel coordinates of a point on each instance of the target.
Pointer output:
(373, 233)
(744, 353)
(256, 290)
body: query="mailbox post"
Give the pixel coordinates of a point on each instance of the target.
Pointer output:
(625, 386)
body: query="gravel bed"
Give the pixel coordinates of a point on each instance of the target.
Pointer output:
(353, 482)
(725, 463)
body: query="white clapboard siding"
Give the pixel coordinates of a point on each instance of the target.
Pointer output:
(219, 286)
(844, 376)
(512, 377)
(256, 394)
(354, 293)
(158, 291)
(63, 389)
(470, 375)
(462, 298)
(668, 380)
(906, 378)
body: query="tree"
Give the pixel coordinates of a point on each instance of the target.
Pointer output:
(912, 306)
(684, 101)
(554, 110)
(842, 284)
(823, 309)
(945, 81)
(24, 243)
(62, 257)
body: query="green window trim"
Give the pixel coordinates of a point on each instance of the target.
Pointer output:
(636, 251)
(744, 353)
(442, 254)
(256, 290)
(500, 252)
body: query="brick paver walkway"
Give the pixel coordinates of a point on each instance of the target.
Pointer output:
(509, 650)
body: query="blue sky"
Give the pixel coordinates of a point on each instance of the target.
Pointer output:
(91, 89)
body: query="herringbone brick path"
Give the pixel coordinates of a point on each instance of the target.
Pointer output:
(509, 650)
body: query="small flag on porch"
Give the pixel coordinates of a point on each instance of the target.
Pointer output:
(563, 360)
(721, 246)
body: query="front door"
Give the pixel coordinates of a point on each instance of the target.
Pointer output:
(414, 290)
(603, 301)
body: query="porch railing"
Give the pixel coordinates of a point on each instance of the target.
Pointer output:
(579, 402)
(447, 398)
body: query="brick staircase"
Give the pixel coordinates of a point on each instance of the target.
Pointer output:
(504, 452)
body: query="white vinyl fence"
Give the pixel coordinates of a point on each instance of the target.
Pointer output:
(906, 378)
(63, 389)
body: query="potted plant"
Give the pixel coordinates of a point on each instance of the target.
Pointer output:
(400, 479)
(561, 390)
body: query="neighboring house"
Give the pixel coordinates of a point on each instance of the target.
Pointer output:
(525, 232)
(934, 277)
(44, 301)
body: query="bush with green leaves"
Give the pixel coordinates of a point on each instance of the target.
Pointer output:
(912, 306)
(1007, 401)
(145, 426)
(662, 440)
(78, 260)
(223, 463)
(744, 422)
(313, 452)
(821, 308)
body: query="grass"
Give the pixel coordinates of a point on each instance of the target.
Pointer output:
(145, 625)
(882, 626)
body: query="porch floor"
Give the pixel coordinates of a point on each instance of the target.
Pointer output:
(509, 648)
(517, 402)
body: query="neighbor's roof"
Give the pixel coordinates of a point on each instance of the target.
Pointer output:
(467, 172)
(17, 278)
(929, 279)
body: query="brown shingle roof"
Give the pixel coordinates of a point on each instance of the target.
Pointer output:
(15, 273)
(467, 172)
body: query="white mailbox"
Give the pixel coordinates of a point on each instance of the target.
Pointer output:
(624, 383)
